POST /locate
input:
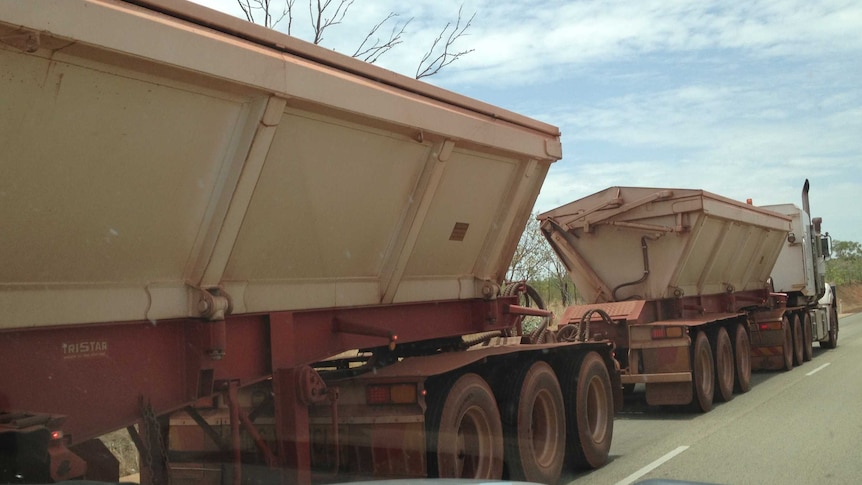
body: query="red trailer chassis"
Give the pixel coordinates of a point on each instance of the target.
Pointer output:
(107, 376)
(655, 339)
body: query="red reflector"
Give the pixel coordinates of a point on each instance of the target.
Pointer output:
(378, 395)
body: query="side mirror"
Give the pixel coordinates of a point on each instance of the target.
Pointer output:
(825, 250)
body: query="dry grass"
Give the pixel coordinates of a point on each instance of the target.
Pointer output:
(123, 448)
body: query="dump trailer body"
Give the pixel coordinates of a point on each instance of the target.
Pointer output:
(646, 243)
(139, 174)
(196, 208)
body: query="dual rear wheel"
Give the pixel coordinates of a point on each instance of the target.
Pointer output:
(787, 344)
(832, 337)
(472, 430)
(464, 431)
(724, 365)
(534, 423)
(798, 344)
(588, 435)
(720, 366)
(807, 338)
(798, 351)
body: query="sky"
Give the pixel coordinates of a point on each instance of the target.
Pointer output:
(742, 99)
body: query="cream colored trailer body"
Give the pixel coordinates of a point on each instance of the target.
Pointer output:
(794, 270)
(156, 168)
(676, 242)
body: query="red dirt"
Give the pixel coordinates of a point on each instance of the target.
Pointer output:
(850, 298)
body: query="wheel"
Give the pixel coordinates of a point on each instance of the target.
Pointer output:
(787, 346)
(465, 434)
(807, 339)
(534, 424)
(832, 341)
(589, 407)
(797, 339)
(703, 374)
(742, 359)
(724, 372)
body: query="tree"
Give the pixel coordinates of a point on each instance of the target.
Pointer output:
(558, 276)
(325, 14)
(537, 264)
(532, 255)
(845, 267)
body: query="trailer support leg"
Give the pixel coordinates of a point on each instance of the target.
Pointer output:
(292, 428)
(205, 427)
(247, 423)
(236, 444)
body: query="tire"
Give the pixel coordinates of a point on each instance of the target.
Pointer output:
(464, 431)
(832, 341)
(589, 412)
(787, 346)
(797, 339)
(724, 366)
(807, 338)
(534, 424)
(703, 374)
(742, 359)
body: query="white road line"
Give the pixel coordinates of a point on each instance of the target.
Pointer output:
(818, 369)
(652, 466)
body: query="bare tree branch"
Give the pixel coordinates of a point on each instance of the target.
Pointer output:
(248, 9)
(319, 22)
(324, 14)
(429, 67)
(264, 6)
(288, 12)
(371, 53)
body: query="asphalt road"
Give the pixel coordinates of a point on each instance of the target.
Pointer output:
(797, 427)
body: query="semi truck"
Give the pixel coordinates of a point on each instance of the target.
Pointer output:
(694, 290)
(301, 254)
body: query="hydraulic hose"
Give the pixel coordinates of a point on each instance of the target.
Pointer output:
(643, 278)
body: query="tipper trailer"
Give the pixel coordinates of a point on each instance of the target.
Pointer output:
(694, 289)
(201, 214)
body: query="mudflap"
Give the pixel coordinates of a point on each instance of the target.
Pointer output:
(668, 393)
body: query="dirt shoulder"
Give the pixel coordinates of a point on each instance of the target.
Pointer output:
(850, 298)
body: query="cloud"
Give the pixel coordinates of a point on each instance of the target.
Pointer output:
(744, 99)
(572, 34)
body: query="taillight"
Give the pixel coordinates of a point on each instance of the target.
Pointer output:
(56, 435)
(770, 326)
(391, 394)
